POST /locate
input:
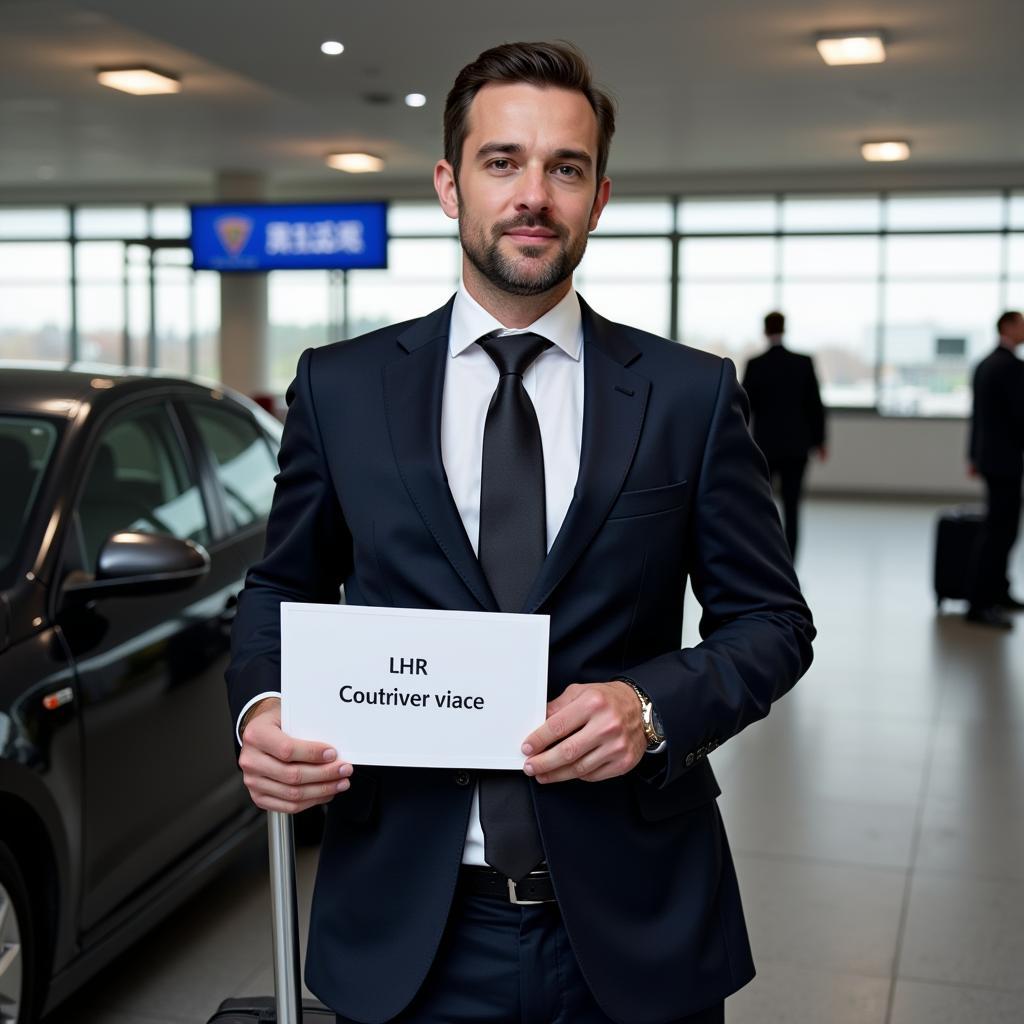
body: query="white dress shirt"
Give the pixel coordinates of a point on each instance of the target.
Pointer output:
(554, 383)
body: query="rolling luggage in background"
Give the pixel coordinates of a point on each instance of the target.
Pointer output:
(287, 1005)
(956, 539)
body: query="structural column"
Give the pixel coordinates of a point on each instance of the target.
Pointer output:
(244, 330)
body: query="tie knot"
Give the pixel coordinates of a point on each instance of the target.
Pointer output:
(513, 353)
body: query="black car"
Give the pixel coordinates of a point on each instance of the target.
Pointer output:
(130, 508)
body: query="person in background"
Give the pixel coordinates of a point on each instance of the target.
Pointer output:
(788, 417)
(996, 453)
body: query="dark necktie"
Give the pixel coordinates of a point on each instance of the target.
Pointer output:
(511, 549)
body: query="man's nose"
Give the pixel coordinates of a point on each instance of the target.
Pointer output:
(534, 192)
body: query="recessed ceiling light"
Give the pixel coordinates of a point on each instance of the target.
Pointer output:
(885, 152)
(415, 99)
(332, 48)
(852, 47)
(355, 163)
(139, 81)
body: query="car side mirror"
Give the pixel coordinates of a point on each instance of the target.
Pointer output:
(132, 563)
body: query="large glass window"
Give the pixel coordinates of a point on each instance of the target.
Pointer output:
(941, 303)
(627, 280)
(727, 286)
(100, 267)
(35, 222)
(299, 306)
(422, 274)
(728, 215)
(829, 292)
(111, 222)
(894, 295)
(35, 301)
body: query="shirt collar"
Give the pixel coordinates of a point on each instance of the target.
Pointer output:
(562, 325)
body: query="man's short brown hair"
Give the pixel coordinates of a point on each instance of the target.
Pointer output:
(774, 323)
(543, 64)
(1009, 317)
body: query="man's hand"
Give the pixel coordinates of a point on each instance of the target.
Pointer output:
(593, 732)
(286, 774)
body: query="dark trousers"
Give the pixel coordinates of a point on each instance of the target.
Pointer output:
(788, 476)
(989, 580)
(506, 964)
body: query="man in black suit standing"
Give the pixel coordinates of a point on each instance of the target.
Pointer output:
(788, 417)
(996, 452)
(515, 451)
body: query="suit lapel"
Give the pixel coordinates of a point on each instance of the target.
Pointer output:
(615, 400)
(413, 387)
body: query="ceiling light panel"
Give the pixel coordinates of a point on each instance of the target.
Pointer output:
(885, 152)
(839, 48)
(139, 81)
(355, 163)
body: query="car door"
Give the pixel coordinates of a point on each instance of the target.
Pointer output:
(158, 763)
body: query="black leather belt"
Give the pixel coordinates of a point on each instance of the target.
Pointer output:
(536, 887)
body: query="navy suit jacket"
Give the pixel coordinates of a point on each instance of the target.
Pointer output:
(670, 486)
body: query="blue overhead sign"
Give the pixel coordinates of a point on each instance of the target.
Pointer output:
(336, 236)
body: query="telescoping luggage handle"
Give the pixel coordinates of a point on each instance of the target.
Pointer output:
(287, 980)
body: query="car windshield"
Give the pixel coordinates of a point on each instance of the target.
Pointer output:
(26, 445)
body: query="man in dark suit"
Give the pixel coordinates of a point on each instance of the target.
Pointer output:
(787, 415)
(515, 451)
(997, 453)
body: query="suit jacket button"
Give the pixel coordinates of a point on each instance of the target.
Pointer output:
(690, 758)
(462, 778)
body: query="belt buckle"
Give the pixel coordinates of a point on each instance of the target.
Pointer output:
(513, 896)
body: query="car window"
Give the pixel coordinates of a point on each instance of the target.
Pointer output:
(26, 444)
(244, 461)
(139, 481)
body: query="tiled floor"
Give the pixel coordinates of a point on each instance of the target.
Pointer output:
(876, 818)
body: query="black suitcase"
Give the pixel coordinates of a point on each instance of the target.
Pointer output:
(286, 1006)
(956, 540)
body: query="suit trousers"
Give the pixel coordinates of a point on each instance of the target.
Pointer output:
(788, 474)
(499, 963)
(989, 581)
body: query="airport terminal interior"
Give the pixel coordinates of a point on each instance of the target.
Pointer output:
(875, 817)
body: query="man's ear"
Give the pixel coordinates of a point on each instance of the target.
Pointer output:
(604, 193)
(446, 188)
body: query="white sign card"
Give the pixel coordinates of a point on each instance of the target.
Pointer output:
(414, 687)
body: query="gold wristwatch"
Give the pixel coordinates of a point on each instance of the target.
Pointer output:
(649, 720)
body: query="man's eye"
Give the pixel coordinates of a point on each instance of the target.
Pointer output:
(500, 165)
(568, 171)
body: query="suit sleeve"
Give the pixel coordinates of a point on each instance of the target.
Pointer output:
(815, 407)
(308, 549)
(756, 629)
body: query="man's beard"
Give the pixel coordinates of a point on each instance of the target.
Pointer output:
(503, 271)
